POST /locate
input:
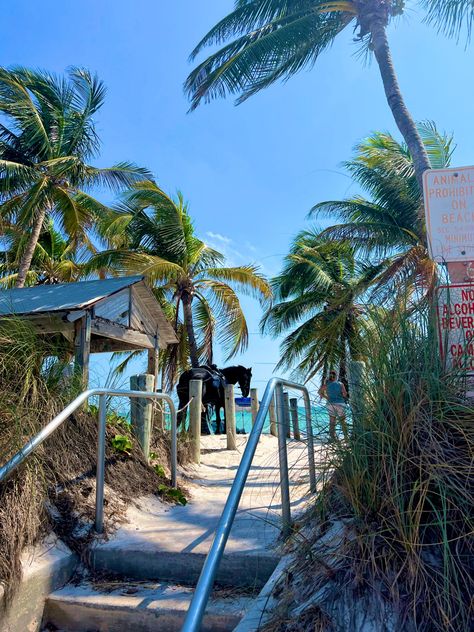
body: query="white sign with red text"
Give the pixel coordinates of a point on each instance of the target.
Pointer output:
(449, 212)
(456, 326)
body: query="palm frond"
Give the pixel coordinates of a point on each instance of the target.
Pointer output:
(247, 279)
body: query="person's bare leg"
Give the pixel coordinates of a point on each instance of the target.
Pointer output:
(342, 420)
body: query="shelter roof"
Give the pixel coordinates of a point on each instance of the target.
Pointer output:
(55, 300)
(60, 297)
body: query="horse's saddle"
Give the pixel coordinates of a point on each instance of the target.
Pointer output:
(216, 376)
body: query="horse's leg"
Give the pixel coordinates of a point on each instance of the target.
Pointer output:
(181, 403)
(204, 414)
(218, 418)
(225, 418)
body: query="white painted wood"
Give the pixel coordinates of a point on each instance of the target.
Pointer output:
(115, 307)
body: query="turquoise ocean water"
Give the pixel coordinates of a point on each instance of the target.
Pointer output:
(319, 416)
(243, 420)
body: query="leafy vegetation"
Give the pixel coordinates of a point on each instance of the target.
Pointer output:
(153, 234)
(122, 443)
(396, 496)
(275, 39)
(47, 136)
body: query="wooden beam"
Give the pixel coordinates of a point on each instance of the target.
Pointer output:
(108, 345)
(108, 329)
(51, 325)
(82, 345)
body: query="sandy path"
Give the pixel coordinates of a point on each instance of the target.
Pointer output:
(190, 529)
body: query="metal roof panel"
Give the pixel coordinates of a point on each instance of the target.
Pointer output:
(64, 296)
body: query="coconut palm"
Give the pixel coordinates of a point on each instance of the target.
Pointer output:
(386, 227)
(274, 39)
(47, 137)
(318, 299)
(55, 259)
(153, 234)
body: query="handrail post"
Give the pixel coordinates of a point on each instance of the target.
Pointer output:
(286, 414)
(310, 441)
(283, 461)
(100, 474)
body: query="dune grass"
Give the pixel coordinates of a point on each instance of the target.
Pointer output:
(54, 490)
(401, 488)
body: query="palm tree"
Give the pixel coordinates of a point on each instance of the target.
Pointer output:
(387, 227)
(274, 39)
(55, 260)
(153, 234)
(318, 299)
(47, 137)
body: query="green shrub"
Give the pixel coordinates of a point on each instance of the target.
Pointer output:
(122, 443)
(404, 477)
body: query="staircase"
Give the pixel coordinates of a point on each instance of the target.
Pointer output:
(147, 571)
(138, 607)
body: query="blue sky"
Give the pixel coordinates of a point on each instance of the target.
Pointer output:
(250, 172)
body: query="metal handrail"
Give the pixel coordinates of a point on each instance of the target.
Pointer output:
(37, 440)
(197, 608)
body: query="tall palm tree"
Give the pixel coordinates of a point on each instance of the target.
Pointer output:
(153, 234)
(386, 227)
(55, 259)
(47, 137)
(274, 39)
(318, 300)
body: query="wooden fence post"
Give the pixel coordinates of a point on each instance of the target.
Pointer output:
(141, 411)
(286, 413)
(294, 418)
(230, 416)
(195, 410)
(254, 404)
(273, 418)
(356, 391)
(82, 347)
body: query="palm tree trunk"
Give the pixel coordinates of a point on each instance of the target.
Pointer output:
(27, 257)
(188, 322)
(395, 100)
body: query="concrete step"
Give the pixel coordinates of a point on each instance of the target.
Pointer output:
(147, 562)
(138, 607)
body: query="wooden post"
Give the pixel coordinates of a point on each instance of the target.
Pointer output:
(141, 411)
(294, 418)
(273, 418)
(356, 392)
(195, 410)
(286, 412)
(153, 361)
(153, 369)
(82, 346)
(254, 405)
(230, 416)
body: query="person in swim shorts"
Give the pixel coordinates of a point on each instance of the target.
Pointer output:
(336, 395)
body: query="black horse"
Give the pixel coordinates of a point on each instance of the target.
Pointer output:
(213, 384)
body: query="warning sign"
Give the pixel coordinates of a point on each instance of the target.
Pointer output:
(449, 211)
(456, 326)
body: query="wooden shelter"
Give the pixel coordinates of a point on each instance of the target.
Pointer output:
(118, 314)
